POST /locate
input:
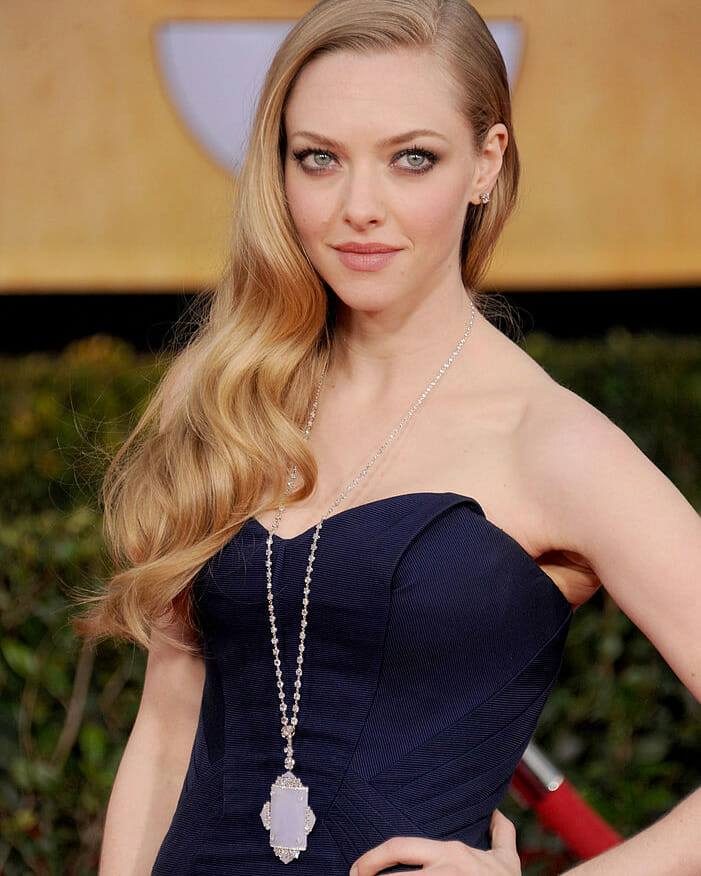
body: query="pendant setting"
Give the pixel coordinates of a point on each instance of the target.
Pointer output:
(288, 817)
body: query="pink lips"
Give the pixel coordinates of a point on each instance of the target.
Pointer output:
(365, 256)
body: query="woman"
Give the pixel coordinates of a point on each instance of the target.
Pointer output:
(346, 363)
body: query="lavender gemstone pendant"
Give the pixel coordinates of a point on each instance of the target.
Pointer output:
(287, 817)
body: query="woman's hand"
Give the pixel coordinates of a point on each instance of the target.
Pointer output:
(446, 857)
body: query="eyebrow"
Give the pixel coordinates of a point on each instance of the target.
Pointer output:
(388, 141)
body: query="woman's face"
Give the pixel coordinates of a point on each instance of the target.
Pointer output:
(378, 153)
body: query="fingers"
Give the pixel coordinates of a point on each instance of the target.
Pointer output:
(503, 833)
(441, 854)
(398, 850)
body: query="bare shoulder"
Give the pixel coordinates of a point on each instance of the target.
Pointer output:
(607, 512)
(580, 490)
(550, 422)
(580, 464)
(560, 431)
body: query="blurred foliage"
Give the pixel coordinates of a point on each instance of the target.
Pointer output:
(65, 711)
(619, 723)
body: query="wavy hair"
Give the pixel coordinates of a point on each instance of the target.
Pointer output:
(217, 439)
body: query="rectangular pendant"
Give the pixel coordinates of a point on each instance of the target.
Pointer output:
(287, 817)
(288, 807)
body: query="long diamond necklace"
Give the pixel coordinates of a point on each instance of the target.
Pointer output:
(286, 814)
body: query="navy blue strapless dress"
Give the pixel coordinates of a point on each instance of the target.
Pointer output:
(433, 640)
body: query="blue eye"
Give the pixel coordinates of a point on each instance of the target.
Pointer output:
(418, 160)
(412, 156)
(322, 159)
(324, 156)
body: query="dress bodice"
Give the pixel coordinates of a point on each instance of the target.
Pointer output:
(433, 640)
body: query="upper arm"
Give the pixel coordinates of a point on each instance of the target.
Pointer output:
(173, 685)
(604, 499)
(174, 679)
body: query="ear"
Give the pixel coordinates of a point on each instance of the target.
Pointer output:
(489, 161)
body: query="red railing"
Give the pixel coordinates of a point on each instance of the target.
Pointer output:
(540, 786)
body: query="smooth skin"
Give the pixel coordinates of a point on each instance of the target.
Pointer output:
(547, 467)
(155, 760)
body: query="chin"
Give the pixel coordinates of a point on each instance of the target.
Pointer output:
(370, 300)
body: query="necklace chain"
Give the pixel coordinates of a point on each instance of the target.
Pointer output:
(289, 725)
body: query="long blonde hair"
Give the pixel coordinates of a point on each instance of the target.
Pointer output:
(216, 442)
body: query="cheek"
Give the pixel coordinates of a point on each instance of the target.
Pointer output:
(440, 213)
(308, 206)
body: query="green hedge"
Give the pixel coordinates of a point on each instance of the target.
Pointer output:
(619, 722)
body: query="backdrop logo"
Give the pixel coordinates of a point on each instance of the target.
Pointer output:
(213, 71)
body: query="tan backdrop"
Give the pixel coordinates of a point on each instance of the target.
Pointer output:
(102, 187)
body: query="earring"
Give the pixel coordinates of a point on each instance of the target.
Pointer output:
(484, 197)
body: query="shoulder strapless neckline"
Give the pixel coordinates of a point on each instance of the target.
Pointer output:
(364, 506)
(367, 506)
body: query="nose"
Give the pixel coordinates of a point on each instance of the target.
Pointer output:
(363, 203)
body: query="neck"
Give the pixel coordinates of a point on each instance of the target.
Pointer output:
(376, 351)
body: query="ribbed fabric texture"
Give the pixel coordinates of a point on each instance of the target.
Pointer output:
(433, 640)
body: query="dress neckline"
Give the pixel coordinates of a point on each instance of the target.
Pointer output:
(475, 506)
(361, 507)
